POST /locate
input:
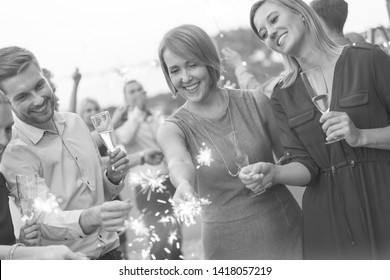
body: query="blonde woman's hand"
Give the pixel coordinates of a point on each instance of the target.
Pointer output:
(338, 125)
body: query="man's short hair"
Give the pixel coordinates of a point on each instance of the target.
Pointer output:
(333, 12)
(14, 60)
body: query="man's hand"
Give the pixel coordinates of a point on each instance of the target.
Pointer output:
(30, 233)
(118, 165)
(114, 214)
(76, 76)
(111, 215)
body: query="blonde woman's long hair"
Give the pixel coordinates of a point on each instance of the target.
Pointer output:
(320, 40)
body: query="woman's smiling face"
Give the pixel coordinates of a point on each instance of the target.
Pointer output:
(282, 30)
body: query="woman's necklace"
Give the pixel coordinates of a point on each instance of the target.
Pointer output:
(212, 141)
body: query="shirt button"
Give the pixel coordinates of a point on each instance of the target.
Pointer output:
(77, 158)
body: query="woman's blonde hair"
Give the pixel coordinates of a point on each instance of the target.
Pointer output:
(320, 40)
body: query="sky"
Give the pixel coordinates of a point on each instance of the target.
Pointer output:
(102, 37)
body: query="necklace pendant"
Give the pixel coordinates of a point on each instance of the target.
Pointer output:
(234, 175)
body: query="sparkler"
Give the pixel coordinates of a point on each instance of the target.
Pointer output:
(149, 181)
(186, 211)
(204, 157)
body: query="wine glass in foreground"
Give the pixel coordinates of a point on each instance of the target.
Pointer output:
(315, 83)
(27, 188)
(103, 126)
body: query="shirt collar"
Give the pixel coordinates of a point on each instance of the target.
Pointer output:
(35, 134)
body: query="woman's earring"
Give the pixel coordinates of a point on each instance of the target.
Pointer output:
(303, 19)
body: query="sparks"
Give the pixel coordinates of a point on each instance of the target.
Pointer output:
(204, 157)
(186, 211)
(47, 204)
(172, 237)
(151, 181)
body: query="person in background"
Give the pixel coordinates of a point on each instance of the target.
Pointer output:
(89, 107)
(138, 135)
(355, 37)
(245, 78)
(332, 14)
(233, 125)
(76, 76)
(29, 233)
(59, 148)
(346, 214)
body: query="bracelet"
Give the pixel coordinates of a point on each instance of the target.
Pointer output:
(11, 252)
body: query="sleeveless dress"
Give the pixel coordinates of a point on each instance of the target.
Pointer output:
(236, 225)
(7, 236)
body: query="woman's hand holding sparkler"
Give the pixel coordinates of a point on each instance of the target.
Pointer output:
(258, 176)
(184, 192)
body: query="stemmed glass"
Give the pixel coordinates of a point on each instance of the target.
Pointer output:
(103, 126)
(315, 83)
(27, 188)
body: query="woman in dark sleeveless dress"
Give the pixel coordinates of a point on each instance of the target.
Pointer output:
(238, 224)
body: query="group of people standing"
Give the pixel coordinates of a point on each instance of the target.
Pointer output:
(252, 214)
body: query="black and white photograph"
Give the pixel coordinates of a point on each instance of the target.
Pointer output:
(199, 139)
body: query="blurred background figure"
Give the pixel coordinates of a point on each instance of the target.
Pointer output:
(245, 78)
(355, 37)
(332, 14)
(138, 135)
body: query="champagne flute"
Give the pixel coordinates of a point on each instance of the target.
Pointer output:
(27, 188)
(315, 83)
(103, 125)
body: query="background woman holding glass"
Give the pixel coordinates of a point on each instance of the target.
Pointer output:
(234, 126)
(346, 203)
